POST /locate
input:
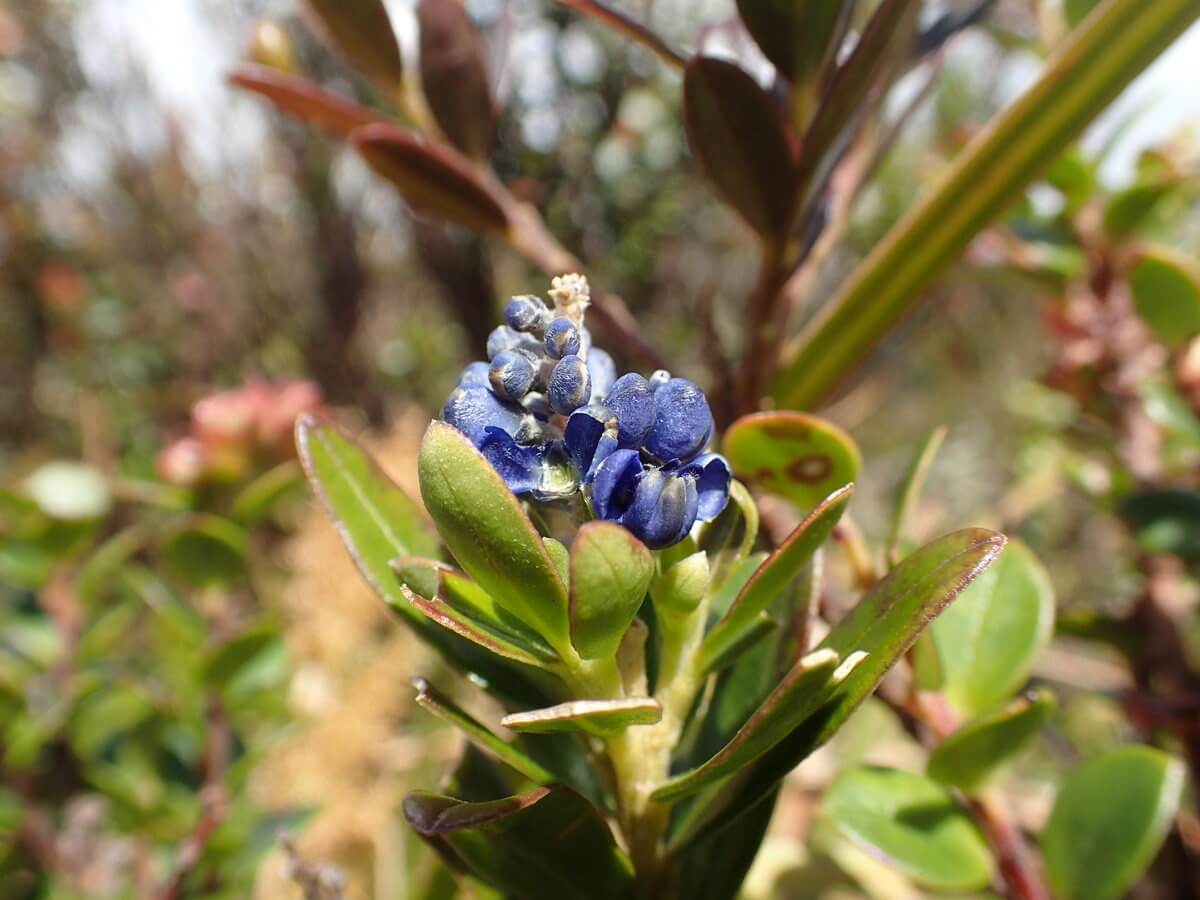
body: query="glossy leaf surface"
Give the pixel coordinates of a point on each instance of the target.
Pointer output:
(601, 718)
(436, 180)
(480, 631)
(1110, 818)
(990, 638)
(913, 823)
(972, 755)
(775, 575)
(549, 842)
(739, 139)
(797, 456)
(610, 573)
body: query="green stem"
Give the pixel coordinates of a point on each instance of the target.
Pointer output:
(1093, 65)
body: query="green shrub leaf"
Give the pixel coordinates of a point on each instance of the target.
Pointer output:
(1111, 816)
(206, 551)
(601, 718)
(610, 574)
(1165, 521)
(799, 38)
(549, 842)
(913, 823)
(989, 639)
(1166, 293)
(968, 758)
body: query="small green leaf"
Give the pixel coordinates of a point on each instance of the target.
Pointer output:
(1165, 521)
(601, 718)
(1129, 210)
(797, 456)
(434, 702)
(884, 625)
(610, 573)
(376, 520)
(797, 697)
(735, 644)
(970, 757)
(681, 586)
(800, 38)
(774, 576)
(262, 497)
(912, 822)
(237, 655)
(304, 100)
(435, 179)
(1078, 10)
(482, 632)
(739, 139)
(102, 566)
(727, 539)
(1166, 293)
(489, 534)
(1111, 816)
(561, 557)
(206, 551)
(990, 638)
(908, 493)
(362, 32)
(454, 76)
(549, 842)
(69, 491)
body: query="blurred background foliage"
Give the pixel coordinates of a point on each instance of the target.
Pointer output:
(181, 271)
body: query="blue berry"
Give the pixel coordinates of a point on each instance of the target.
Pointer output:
(526, 313)
(570, 385)
(562, 339)
(474, 375)
(511, 374)
(474, 410)
(504, 338)
(632, 402)
(683, 422)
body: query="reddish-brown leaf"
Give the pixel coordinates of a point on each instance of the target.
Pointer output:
(437, 181)
(454, 76)
(361, 31)
(304, 100)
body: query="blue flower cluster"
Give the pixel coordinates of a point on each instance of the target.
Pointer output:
(550, 415)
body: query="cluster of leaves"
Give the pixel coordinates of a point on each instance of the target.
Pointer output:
(141, 673)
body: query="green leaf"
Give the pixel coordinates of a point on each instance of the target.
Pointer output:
(796, 698)
(601, 718)
(797, 456)
(1089, 69)
(884, 625)
(262, 497)
(972, 755)
(1111, 816)
(728, 539)
(990, 638)
(774, 576)
(434, 702)
(549, 842)
(228, 661)
(376, 520)
(304, 100)
(454, 76)
(908, 493)
(739, 139)
(69, 491)
(479, 631)
(100, 569)
(1166, 293)
(610, 574)
(681, 586)
(435, 179)
(913, 823)
(362, 32)
(206, 551)
(1076, 11)
(1165, 521)
(1129, 210)
(799, 38)
(489, 534)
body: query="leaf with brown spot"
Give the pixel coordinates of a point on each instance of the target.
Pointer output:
(436, 180)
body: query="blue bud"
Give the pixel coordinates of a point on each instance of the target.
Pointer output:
(526, 313)
(472, 410)
(562, 338)
(614, 484)
(683, 422)
(663, 510)
(504, 338)
(632, 402)
(474, 375)
(519, 465)
(658, 379)
(590, 438)
(603, 371)
(511, 374)
(570, 385)
(713, 476)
